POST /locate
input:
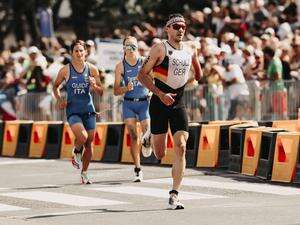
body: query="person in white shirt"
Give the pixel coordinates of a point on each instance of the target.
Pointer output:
(236, 56)
(238, 90)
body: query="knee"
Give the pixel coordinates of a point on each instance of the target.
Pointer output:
(181, 148)
(81, 140)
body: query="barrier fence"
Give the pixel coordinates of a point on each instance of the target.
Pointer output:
(203, 102)
(271, 153)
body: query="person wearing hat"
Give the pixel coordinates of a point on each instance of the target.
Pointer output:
(170, 63)
(249, 61)
(91, 52)
(236, 54)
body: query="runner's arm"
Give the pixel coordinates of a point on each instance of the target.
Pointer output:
(144, 74)
(57, 83)
(118, 90)
(95, 82)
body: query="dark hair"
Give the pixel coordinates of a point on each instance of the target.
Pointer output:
(77, 42)
(269, 51)
(175, 15)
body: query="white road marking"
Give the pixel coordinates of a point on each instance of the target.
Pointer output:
(25, 161)
(5, 208)
(61, 198)
(154, 192)
(241, 186)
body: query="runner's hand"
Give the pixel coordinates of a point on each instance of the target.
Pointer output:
(130, 86)
(98, 115)
(168, 98)
(93, 84)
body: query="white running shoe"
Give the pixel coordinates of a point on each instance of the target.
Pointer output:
(76, 159)
(85, 179)
(146, 144)
(174, 202)
(138, 176)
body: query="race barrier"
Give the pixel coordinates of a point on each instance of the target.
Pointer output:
(251, 151)
(285, 156)
(236, 145)
(192, 144)
(67, 143)
(265, 123)
(1, 135)
(114, 142)
(288, 125)
(271, 153)
(99, 142)
(213, 149)
(16, 138)
(46, 139)
(265, 162)
(53, 140)
(127, 143)
(168, 159)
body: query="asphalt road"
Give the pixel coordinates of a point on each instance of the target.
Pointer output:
(49, 192)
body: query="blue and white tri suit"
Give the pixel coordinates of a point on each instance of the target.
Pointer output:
(136, 104)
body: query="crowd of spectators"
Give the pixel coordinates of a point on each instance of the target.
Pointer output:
(238, 43)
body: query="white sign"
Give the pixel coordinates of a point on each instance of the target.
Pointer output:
(109, 54)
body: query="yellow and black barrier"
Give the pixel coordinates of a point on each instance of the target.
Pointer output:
(236, 145)
(168, 159)
(285, 157)
(288, 125)
(99, 142)
(213, 149)
(251, 149)
(192, 144)
(45, 139)
(67, 143)
(38, 139)
(266, 157)
(114, 142)
(1, 135)
(16, 138)
(127, 142)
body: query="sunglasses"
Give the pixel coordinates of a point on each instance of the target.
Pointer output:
(130, 47)
(178, 26)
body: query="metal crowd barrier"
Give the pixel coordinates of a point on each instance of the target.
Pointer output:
(203, 102)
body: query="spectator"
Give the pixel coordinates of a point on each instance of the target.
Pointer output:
(235, 82)
(278, 91)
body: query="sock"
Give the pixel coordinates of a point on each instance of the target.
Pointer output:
(137, 170)
(147, 133)
(173, 192)
(78, 151)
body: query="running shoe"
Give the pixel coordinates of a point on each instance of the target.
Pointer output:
(85, 179)
(146, 144)
(76, 159)
(174, 202)
(138, 175)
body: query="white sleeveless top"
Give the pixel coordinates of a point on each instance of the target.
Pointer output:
(174, 70)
